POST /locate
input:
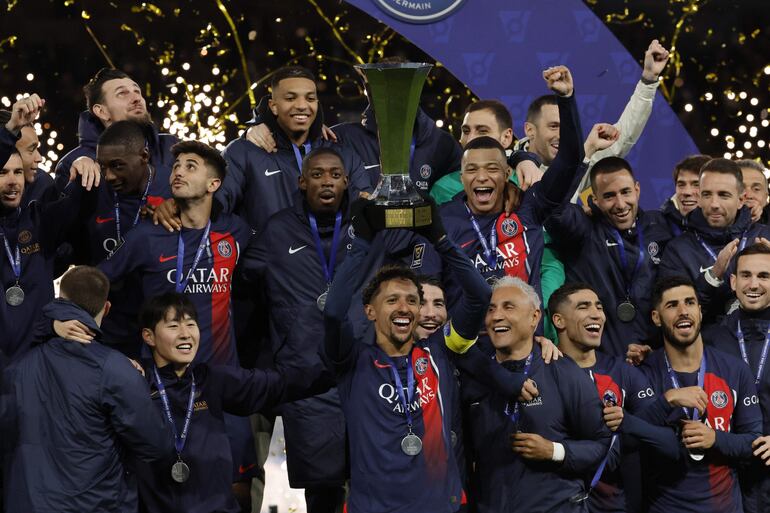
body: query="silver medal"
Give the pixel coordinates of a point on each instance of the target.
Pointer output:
(411, 445)
(14, 295)
(626, 311)
(321, 301)
(180, 472)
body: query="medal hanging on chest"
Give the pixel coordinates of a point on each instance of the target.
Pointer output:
(14, 295)
(180, 471)
(411, 444)
(695, 454)
(327, 266)
(626, 311)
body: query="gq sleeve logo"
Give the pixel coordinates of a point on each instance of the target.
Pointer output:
(419, 11)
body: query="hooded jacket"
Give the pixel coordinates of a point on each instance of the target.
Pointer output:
(259, 184)
(435, 153)
(78, 413)
(676, 221)
(687, 255)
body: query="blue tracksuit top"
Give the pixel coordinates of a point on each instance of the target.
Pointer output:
(754, 477)
(74, 416)
(567, 411)
(709, 485)
(686, 256)
(259, 184)
(436, 153)
(520, 242)
(676, 220)
(590, 253)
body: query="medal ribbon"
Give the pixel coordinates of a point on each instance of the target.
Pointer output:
(179, 438)
(490, 247)
(675, 382)
(762, 359)
(181, 284)
(406, 399)
(327, 266)
(142, 203)
(514, 415)
(624, 261)
(14, 261)
(711, 251)
(298, 155)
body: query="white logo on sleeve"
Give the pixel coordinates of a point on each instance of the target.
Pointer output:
(294, 250)
(372, 166)
(271, 173)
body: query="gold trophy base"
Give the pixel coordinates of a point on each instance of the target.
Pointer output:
(403, 217)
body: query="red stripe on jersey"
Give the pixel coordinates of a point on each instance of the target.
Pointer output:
(225, 255)
(434, 448)
(608, 389)
(721, 405)
(512, 245)
(154, 201)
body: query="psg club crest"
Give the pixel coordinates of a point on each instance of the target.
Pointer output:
(610, 398)
(419, 11)
(719, 399)
(653, 248)
(425, 171)
(225, 249)
(24, 236)
(421, 365)
(510, 227)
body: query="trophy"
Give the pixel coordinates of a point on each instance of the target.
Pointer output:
(394, 92)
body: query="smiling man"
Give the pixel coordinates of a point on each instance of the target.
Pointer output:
(710, 397)
(687, 191)
(745, 334)
(720, 227)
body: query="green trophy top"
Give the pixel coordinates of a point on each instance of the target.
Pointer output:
(394, 91)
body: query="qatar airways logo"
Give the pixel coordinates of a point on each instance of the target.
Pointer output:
(425, 394)
(507, 257)
(205, 281)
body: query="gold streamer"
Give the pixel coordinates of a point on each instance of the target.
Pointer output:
(99, 45)
(242, 56)
(336, 32)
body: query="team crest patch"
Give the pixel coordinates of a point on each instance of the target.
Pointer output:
(653, 248)
(225, 249)
(510, 227)
(719, 399)
(425, 171)
(24, 236)
(418, 11)
(417, 254)
(609, 398)
(421, 365)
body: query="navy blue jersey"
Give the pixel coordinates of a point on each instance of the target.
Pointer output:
(688, 256)
(567, 411)
(709, 485)
(42, 188)
(519, 235)
(219, 390)
(259, 184)
(435, 153)
(590, 253)
(621, 384)
(754, 477)
(674, 217)
(149, 256)
(36, 230)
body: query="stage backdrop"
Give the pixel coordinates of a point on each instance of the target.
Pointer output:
(499, 47)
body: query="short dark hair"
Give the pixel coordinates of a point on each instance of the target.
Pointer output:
(14, 151)
(87, 287)
(156, 308)
(536, 107)
(323, 150)
(426, 279)
(129, 134)
(723, 167)
(500, 111)
(560, 296)
(290, 72)
(754, 249)
(93, 89)
(210, 156)
(387, 273)
(691, 163)
(485, 143)
(609, 165)
(670, 282)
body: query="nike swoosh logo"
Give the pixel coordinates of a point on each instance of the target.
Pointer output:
(465, 244)
(610, 244)
(166, 258)
(294, 250)
(243, 469)
(704, 269)
(271, 173)
(381, 365)
(373, 165)
(102, 220)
